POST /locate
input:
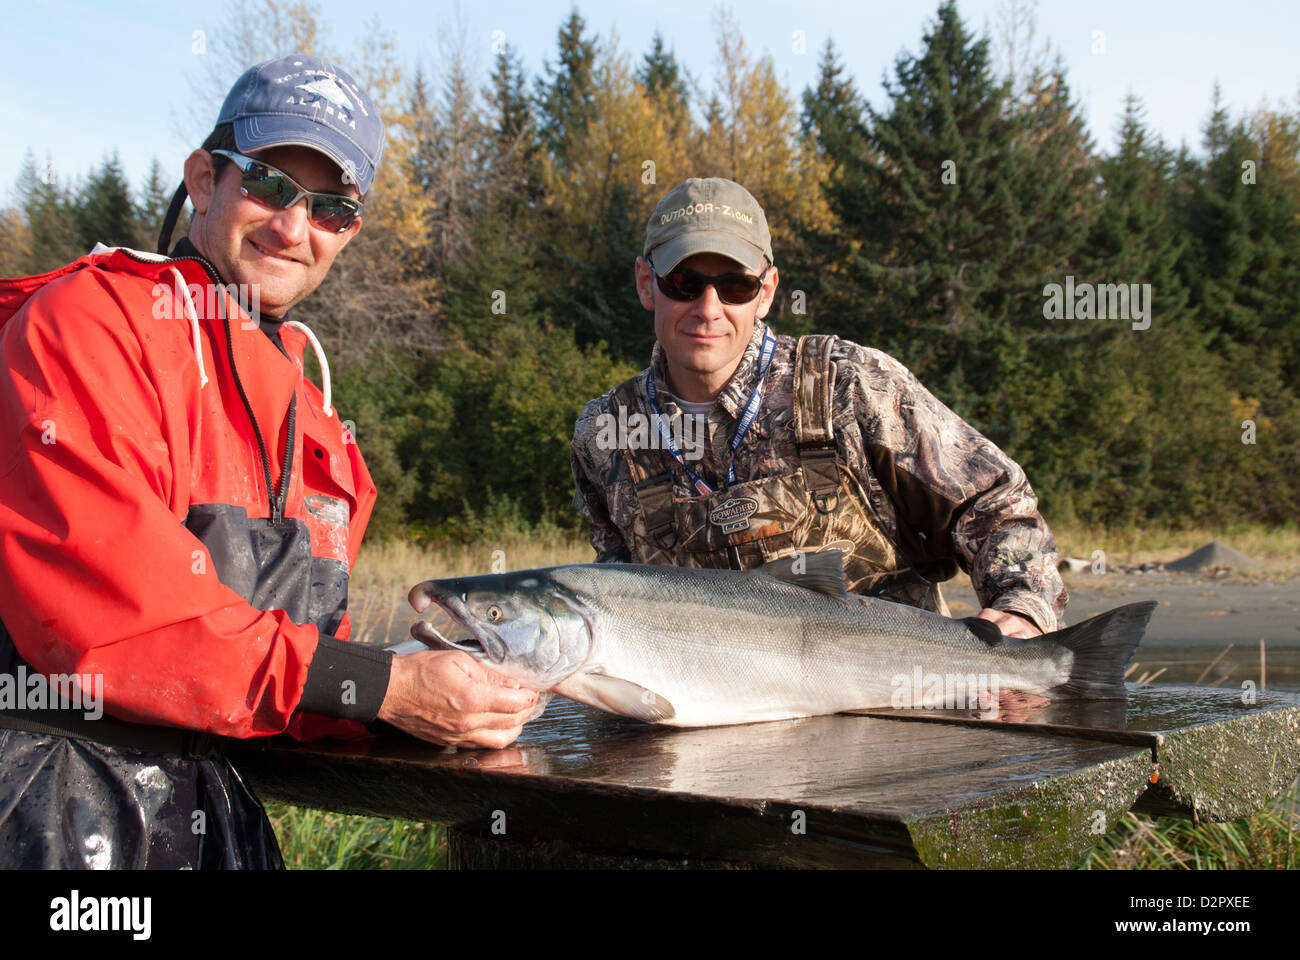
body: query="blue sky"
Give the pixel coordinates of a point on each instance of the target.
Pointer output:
(80, 79)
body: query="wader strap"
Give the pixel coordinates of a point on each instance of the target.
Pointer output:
(190, 744)
(814, 392)
(652, 483)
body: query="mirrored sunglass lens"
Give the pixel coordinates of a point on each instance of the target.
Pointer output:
(332, 214)
(268, 186)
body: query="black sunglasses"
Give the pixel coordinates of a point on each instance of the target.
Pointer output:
(685, 285)
(277, 189)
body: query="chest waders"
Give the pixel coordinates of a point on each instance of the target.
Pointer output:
(819, 505)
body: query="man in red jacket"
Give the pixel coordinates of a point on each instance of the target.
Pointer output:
(180, 509)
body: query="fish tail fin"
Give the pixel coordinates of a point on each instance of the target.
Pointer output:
(1103, 646)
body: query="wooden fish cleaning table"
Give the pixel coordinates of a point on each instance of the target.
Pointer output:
(879, 788)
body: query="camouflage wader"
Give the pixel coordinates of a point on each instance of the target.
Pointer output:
(818, 506)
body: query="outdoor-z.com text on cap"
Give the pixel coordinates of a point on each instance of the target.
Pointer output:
(694, 208)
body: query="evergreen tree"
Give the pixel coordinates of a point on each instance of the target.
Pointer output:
(1223, 247)
(956, 215)
(460, 151)
(566, 97)
(515, 177)
(598, 197)
(155, 195)
(422, 133)
(15, 243)
(600, 300)
(104, 212)
(832, 112)
(833, 133)
(48, 214)
(506, 382)
(664, 84)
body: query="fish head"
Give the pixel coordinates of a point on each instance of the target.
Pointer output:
(522, 624)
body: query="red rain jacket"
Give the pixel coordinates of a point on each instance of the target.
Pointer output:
(133, 500)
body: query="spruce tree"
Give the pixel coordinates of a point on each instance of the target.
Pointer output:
(833, 131)
(514, 173)
(565, 101)
(155, 195)
(959, 210)
(661, 76)
(832, 111)
(104, 212)
(49, 216)
(1218, 267)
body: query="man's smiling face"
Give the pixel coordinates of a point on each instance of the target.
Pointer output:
(281, 251)
(703, 339)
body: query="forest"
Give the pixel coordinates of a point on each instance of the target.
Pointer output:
(1125, 323)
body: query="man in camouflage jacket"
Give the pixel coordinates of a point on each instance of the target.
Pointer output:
(737, 446)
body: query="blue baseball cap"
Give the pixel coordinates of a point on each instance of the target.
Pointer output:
(310, 102)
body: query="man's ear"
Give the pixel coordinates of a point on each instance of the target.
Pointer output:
(768, 293)
(645, 283)
(200, 180)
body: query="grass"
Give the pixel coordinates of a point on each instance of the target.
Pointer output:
(320, 840)
(1276, 550)
(317, 839)
(386, 571)
(1266, 841)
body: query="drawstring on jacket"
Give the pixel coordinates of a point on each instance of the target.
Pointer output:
(320, 358)
(192, 315)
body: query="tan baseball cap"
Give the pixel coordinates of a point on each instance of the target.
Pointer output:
(707, 216)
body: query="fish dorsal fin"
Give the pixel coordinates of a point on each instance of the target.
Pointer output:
(617, 696)
(823, 571)
(986, 630)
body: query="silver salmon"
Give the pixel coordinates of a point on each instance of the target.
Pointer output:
(688, 647)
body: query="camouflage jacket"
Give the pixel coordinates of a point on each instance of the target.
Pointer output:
(946, 495)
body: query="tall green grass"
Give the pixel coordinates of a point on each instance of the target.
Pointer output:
(1266, 841)
(313, 839)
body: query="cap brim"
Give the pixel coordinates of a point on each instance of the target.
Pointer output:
(281, 130)
(667, 255)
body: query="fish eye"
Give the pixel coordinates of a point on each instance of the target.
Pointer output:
(493, 613)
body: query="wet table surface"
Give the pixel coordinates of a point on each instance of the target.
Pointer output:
(877, 788)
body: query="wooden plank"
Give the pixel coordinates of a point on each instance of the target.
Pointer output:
(1218, 754)
(1223, 754)
(826, 791)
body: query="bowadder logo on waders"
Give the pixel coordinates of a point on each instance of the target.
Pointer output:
(734, 514)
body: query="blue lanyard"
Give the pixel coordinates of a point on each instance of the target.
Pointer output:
(746, 419)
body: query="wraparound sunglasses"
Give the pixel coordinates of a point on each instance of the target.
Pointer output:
(685, 285)
(278, 190)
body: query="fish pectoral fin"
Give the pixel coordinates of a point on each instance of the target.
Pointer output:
(617, 696)
(543, 699)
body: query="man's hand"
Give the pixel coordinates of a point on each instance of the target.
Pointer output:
(1010, 624)
(447, 697)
